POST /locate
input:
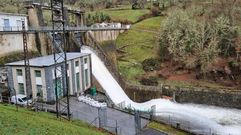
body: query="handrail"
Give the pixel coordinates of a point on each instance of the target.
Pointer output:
(50, 29)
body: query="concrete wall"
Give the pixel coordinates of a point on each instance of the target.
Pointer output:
(101, 36)
(36, 20)
(49, 84)
(140, 93)
(223, 98)
(14, 42)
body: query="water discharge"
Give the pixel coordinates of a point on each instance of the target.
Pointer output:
(199, 119)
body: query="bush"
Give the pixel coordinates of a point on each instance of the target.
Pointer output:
(16, 56)
(98, 17)
(151, 81)
(151, 64)
(194, 43)
(156, 11)
(145, 16)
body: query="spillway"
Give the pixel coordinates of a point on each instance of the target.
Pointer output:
(199, 119)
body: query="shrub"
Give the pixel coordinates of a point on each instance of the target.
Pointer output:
(150, 64)
(190, 43)
(151, 81)
(155, 11)
(17, 56)
(98, 17)
(145, 16)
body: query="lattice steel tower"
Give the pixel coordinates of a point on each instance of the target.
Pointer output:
(26, 62)
(60, 58)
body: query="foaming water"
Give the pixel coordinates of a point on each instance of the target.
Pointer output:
(200, 119)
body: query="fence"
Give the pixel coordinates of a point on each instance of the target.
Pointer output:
(5, 99)
(97, 117)
(49, 28)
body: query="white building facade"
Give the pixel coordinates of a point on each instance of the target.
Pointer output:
(43, 80)
(12, 22)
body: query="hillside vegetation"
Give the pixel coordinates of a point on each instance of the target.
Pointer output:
(123, 14)
(12, 6)
(26, 122)
(202, 42)
(197, 44)
(136, 45)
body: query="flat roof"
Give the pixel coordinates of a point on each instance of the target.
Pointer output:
(46, 61)
(13, 14)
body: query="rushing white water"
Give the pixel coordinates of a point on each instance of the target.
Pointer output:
(196, 118)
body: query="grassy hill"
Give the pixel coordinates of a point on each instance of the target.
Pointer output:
(166, 128)
(123, 13)
(26, 122)
(141, 42)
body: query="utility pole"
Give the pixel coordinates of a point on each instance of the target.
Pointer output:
(26, 63)
(59, 50)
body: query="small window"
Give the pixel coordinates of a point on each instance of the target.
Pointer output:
(85, 60)
(6, 25)
(39, 91)
(19, 72)
(37, 73)
(76, 63)
(78, 81)
(21, 88)
(86, 78)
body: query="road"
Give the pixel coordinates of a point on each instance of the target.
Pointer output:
(124, 121)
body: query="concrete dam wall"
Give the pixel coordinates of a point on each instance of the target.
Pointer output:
(101, 36)
(14, 42)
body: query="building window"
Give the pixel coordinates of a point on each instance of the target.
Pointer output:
(37, 73)
(76, 63)
(6, 24)
(19, 72)
(21, 88)
(85, 60)
(86, 78)
(39, 91)
(58, 85)
(78, 81)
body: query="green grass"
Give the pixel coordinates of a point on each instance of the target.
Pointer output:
(142, 43)
(166, 128)
(26, 122)
(12, 6)
(16, 56)
(123, 13)
(198, 84)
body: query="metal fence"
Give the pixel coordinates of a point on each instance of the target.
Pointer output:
(68, 28)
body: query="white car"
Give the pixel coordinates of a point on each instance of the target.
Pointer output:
(21, 100)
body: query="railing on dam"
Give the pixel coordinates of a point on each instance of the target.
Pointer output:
(68, 28)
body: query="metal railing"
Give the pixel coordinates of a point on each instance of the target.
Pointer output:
(11, 28)
(68, 28)
(41, 2)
